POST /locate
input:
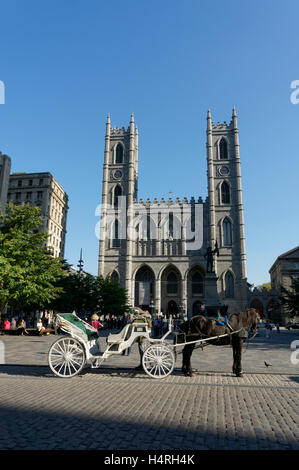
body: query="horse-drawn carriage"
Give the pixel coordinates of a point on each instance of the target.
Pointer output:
(80, 345)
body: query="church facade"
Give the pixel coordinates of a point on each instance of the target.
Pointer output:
(157, 249)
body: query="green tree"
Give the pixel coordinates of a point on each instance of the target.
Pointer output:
(28, 272)
(111, 297)
(84, 292)
(290, 298)
(266, 285)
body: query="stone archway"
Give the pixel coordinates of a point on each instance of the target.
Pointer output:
(195, 288)
(171, 281)
(144, 287)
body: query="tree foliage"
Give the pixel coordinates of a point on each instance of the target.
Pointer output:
(87, 293)
(28, 272)
(266, 285)
(290, 298)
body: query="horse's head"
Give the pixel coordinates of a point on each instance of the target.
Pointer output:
(253, 319)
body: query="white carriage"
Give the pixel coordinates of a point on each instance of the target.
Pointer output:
(80, 347)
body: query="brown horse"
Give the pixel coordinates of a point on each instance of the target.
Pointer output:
(200, 327)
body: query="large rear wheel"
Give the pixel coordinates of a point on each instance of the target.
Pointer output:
(66, 357)
(158, 361)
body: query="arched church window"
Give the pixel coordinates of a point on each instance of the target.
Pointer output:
(114, 276)
(117, 193)
(197, 283)
(229, 285)
(227, 232)
(172, 283)
(119, 154)
(223, 149)
(115, 239)
(225, 193)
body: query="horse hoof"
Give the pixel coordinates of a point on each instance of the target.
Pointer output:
(239, 374)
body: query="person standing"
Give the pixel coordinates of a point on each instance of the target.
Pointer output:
(95, 322)
(268, 329)
(277, 327)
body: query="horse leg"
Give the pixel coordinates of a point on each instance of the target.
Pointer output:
(237, 344)
(186, 367)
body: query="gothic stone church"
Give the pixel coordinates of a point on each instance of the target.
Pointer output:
(151, 247)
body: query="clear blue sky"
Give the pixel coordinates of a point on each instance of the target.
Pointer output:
(67, 64)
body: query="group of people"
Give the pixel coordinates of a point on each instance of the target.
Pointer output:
(21, 325)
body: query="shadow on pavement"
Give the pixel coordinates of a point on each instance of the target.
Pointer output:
(41, 430)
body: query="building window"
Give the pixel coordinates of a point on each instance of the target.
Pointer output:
(223, 149)
(229, 285)
(117, 193)
(30, 182)
(225, 193)
(227, 232)
(39, 194)
(197, 284)
(41, 181)
(115, 239)
(29, 196)
(172, 283)
(20, 183)
(114, 276)
(119, 154)
(18, 196)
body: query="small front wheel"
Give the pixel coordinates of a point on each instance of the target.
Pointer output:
(66, 357)
(158, 361)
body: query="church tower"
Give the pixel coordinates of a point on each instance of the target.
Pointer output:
(226, 219)
(119, 192)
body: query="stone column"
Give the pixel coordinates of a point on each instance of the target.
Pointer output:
(184, 295)
(158, 295)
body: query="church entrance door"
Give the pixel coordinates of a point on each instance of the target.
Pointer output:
(172, 308)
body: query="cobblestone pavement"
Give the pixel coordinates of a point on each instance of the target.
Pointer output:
(116, 408)
(125, 410)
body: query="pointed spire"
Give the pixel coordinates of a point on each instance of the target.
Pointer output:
(209, 120)
(234, 118)
(108, 127)
(132, 117)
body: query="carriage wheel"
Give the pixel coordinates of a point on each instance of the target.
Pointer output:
(66, 357)
(158, 361)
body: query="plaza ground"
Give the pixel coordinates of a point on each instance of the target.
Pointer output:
(115, 407)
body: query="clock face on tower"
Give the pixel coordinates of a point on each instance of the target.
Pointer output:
(117, 174)
(223, 170)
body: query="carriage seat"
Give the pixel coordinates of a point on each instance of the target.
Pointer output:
(124, 335)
